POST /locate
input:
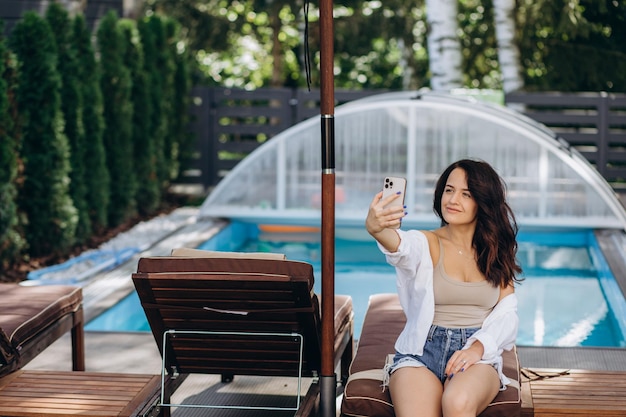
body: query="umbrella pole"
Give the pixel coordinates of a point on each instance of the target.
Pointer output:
(328, 379)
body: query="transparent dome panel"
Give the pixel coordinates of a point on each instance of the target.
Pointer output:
(547, 183)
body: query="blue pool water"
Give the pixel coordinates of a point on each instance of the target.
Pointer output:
(568, 297)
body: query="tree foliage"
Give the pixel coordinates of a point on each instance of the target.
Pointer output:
(148, 189)
(235, 44)
(76, 127)
(71, 107)
(480, 54)
(11, 241)
(97, 179)
(150, 31)
(164, 64)
(206, 21)
(116, 86)
(381, 45)
(182, 139)
(564, 44)
(51, 217)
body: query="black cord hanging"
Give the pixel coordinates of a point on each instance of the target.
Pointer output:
(307, 52)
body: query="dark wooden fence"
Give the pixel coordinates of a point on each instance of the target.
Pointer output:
(593, 123)
(11, 11)
(230, 123)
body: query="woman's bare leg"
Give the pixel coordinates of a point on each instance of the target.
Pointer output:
(469, 393)
(415, 392)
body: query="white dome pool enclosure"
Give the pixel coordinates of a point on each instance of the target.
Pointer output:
(415, 135)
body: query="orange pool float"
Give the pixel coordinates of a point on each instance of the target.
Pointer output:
(285, 228)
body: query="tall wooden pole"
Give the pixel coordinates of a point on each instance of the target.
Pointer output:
(328, 379)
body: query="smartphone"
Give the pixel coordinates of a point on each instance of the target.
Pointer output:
(392, 186)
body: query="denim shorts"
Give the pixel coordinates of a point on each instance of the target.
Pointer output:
(440, 345)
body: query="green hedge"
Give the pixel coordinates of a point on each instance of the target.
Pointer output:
(93, 146)
(44, 196)
(71, 107)
(148, 192)
(116, 85)
(97, 178)
(11, 241)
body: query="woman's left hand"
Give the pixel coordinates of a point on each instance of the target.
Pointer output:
(463, 359)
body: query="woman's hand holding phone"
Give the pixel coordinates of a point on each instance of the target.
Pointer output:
(394, 187)
(386, 212)
(387, 207)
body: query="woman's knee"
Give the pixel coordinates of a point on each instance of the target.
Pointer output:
(457, 403)
(470, 393)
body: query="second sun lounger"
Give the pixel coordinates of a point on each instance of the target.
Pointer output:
(364, 395)
(238, 315)
(33, 317)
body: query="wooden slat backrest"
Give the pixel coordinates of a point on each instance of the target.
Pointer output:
(294, 269)
(231, 295)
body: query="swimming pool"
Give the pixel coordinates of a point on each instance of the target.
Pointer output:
(568, 297)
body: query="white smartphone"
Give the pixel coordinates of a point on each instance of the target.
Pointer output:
(393, 185)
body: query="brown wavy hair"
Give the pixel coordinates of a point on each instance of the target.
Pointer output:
(496, 229)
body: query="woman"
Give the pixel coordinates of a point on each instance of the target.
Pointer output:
(456, 286)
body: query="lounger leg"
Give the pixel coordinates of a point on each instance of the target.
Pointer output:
(78, 341)
(170, 385)
(346, 360)
(166, 411)
(309, 407)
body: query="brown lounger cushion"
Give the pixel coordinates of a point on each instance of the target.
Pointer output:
(363, 394)
(26, 312)
(200, 253)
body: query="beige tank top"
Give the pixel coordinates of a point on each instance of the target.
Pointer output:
(461, 304)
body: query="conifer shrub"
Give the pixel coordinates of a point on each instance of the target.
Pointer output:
(182, 139)
(44, 197)
(152, 35)
(116, 85)
(11, 242)
(97, 179)
(148, 191)
(167, 68)
(71, 107)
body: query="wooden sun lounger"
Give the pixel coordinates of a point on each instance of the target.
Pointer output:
(239, 315)
(87, 394)
(363, 394)
(573, 392)
(33, 317)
